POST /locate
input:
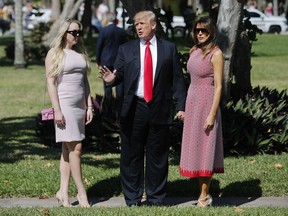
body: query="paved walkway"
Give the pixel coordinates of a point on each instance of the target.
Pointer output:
(281, 202)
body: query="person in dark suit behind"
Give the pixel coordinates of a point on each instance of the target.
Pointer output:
(109, 40)
(144, 123)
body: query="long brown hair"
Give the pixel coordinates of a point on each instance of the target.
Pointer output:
(210, 43)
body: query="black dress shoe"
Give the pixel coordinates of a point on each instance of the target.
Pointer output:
(134, 204)
(149, 203)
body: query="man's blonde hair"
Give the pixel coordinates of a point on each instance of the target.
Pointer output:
(151, 16)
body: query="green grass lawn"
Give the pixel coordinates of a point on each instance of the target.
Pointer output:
(30, 169)
(146, 211)
(269, 61)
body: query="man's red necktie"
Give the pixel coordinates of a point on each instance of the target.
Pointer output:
(148, 73)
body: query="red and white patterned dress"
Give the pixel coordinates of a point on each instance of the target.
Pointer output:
(201, 151)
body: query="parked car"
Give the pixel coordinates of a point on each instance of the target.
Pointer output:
(268, 24)
(178, 25)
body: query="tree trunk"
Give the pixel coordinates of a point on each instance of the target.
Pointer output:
(275, 8)
(229, 19)
(286, 7)
(19, 60)
(86, 18)
(242, 64)
(70, 10)
(56, 10)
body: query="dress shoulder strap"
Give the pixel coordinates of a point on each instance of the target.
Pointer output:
(212, 52)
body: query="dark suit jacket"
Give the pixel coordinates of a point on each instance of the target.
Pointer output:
(108, 42)
(168, 84)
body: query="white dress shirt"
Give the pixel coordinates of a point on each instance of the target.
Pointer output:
(153, 48)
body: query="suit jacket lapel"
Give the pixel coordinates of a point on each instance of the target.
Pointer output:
(160, 54)
(136, 60)
(134, 66)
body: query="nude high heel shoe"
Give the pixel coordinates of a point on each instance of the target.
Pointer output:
(60, 201)
(205, 201)
(82, 201)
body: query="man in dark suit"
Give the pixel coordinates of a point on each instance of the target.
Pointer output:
(145, 122)
(108, 42)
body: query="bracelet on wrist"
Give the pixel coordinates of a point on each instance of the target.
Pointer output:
(90, 107)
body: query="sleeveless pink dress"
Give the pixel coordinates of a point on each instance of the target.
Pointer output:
(201, 151)
(71, 94)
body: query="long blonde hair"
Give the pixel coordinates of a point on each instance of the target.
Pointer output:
(59, 43)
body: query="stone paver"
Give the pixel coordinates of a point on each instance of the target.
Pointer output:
(281, 202)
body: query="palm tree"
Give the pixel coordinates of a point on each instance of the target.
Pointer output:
(19, 60)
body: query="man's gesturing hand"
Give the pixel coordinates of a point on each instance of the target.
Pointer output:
(107, 75)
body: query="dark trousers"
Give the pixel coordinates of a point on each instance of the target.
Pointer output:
(140, 138)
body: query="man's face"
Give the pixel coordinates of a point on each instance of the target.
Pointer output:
(144, 28)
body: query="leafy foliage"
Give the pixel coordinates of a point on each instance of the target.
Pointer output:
(34, 50)
(45, 131)
(184, 59)
(252, 30)
(39, 31)
(256, 123)
(102, 134)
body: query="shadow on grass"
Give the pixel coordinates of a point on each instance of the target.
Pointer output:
(188, 190)
(107, 188)
(5, 63)
(235, 194)
(18, 139)
(190, 187)
(250, 188)
(106, 163)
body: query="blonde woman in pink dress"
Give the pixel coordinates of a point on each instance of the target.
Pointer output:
(66, 67)
(202, 146)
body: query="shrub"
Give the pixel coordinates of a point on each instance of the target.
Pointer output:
(39, 31)
(45, 131)
(102, 134)
(34, 50)
(256, 123)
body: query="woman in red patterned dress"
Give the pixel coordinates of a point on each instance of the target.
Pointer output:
(202, 146)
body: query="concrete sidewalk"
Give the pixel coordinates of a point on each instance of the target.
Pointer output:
(281, 202)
